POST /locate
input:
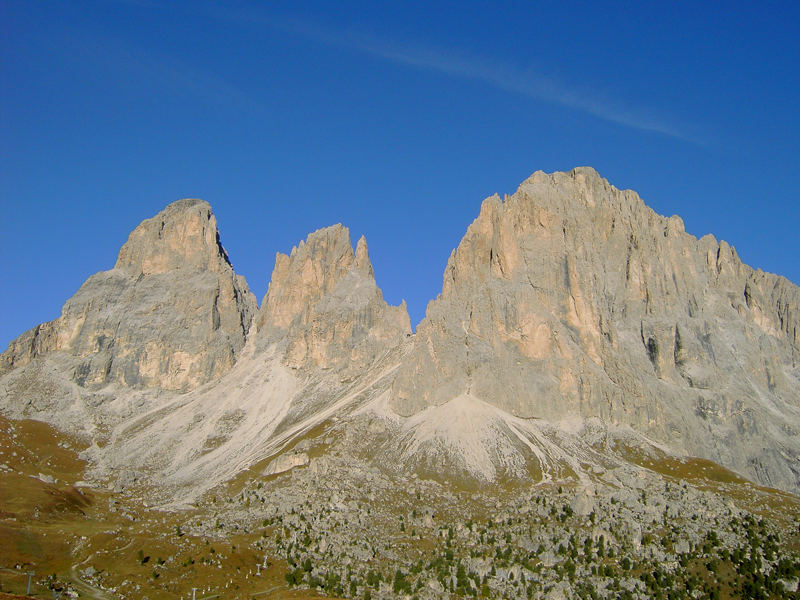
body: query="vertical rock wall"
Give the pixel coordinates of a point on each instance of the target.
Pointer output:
(170, 314)
(572, 298)
(324, 303)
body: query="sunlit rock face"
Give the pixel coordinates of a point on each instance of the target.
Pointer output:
(573, 322)
(572, 298)
(324, 303)
(171, 313)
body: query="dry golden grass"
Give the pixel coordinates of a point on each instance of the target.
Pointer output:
(777, 505)
(60, 529)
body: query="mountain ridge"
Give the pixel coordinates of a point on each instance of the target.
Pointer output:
(574, 297)
(569, 311)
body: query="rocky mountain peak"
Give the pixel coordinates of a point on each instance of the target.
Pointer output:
(323, 301)
(571, 317)
(363, 263)
(170, 314)
(311, 270)
(571, 299)
(182, 236)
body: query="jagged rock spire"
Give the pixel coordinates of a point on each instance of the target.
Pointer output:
(324, 302)
(311, 270)
(362, 258)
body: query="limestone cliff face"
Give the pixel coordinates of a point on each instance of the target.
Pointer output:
(572, 298)
(570, 315)
(170, 314)
(323, 302)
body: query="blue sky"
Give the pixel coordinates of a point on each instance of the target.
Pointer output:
(394, 119)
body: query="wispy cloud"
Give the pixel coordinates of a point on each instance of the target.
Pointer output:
(526, 82)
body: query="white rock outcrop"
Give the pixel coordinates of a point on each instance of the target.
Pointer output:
(285, 462)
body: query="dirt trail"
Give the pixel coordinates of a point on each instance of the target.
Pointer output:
(86, 588)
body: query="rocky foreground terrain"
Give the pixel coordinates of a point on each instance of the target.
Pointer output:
(597, 405)
(333, 525)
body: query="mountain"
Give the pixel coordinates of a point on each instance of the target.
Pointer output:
(588, 368)
(170, 314)
(571, 300)
(571, 318)
(323, 301)
(169, 366)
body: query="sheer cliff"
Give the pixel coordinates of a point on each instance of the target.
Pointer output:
(323, 300)
(573, 321)
(572, 299)
(171, 314)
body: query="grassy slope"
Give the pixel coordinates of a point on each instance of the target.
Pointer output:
(60, 529)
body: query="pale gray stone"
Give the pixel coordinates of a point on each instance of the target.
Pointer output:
(285, 462)
(572, 299)
(576, 330)
(171, 314)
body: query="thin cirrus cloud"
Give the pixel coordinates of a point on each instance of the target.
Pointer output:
(503, 76)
